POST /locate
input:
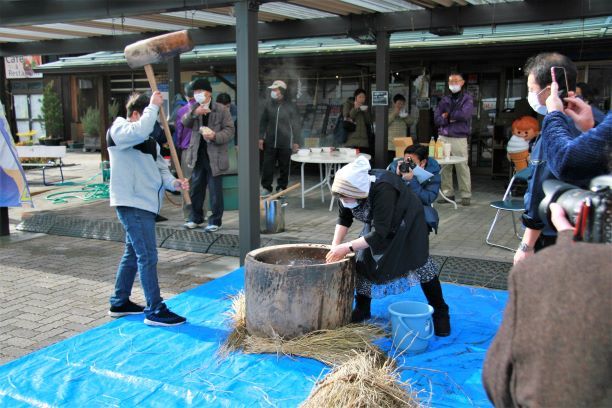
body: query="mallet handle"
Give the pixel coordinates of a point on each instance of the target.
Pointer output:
(162, 115)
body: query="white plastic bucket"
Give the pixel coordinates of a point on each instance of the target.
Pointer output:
(412, 326)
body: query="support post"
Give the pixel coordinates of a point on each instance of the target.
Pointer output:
(382, 84)
(247, 69)
(174, 80)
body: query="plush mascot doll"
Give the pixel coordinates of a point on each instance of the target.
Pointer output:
(524, 130)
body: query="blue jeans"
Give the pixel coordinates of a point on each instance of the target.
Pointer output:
(140, 256)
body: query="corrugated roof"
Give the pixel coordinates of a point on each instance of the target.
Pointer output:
(172, 21)
(515, 33)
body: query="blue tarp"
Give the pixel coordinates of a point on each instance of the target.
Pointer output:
(126, 363)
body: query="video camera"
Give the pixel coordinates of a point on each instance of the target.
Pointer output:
(406, 166)
(590, 212)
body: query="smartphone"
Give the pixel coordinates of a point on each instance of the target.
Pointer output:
(558, 76)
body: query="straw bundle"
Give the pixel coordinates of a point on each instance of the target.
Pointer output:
(331, 347)
(362, 381)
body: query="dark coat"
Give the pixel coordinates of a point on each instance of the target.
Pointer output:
(279, 125)
(397, 230)
(554, 347)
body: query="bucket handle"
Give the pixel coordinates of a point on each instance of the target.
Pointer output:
(428, 328)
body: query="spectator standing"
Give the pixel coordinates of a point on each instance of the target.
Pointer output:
(453, 116)
(137, 185)
(399, 122)
(182, 137)
(538, 233)
(355, 110)
(212, 129)
(280, 134)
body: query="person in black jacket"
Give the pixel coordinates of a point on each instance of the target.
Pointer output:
(392, 253)
(280, 134)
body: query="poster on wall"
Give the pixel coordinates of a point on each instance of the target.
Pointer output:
(22, 66)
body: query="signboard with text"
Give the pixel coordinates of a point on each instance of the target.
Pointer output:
(21, 66)
(380, 98)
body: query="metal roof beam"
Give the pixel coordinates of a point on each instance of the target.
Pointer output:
(469, 16)
(30, 12)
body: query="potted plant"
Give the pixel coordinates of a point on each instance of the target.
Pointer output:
(91, 128)
(52, 116)
(113, 111)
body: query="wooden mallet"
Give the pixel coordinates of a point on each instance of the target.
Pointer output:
(152, 51)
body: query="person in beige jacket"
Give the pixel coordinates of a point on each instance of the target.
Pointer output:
(399, 121)
(355, 110)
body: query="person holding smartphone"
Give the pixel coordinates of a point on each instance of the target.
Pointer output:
(539, 71)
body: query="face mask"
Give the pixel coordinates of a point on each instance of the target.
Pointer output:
(454, 88)
(532, 98)
(199, 97)
(349, 205)
(273, 95)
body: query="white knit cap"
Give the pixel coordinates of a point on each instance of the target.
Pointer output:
(353, 180)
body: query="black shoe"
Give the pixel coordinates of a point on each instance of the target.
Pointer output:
(164, 317)
(441, 320)
(362, 309)
(129, 308)
(441, 200)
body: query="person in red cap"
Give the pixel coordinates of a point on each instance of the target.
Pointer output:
(280, 134)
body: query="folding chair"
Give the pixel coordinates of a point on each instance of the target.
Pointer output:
(508, 203)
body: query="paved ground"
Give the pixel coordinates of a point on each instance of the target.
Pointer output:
(53, 287)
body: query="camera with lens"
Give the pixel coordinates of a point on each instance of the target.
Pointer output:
(406, 166)
(590, 212)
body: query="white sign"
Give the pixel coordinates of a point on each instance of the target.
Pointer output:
(21, 66)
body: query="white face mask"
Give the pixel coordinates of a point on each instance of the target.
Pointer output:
(199, 97)
(349, 205)
(273, 95)
(532, 98)
(454, 88)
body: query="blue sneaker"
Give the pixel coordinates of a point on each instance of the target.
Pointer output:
(164, 317)
(128, 308)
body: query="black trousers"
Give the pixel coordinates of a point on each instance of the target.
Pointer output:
(271, 157)
(201, 179)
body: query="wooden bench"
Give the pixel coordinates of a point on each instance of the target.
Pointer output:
(45, 152)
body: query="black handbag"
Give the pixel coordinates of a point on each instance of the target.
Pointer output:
(349, 126)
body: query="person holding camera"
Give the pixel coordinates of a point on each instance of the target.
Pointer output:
(538, 233)
(212, 129)
(426, 186)
(137, 183)
(554, 348)
(539, 70)
(392, 252)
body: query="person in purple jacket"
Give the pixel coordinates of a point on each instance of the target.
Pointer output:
(453, 117)
(182, 139)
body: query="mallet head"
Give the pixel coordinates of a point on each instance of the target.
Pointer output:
(157, 49)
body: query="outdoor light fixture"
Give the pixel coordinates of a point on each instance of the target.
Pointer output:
(449, 30)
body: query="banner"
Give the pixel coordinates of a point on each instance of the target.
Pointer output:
(14, 191)
(21, 66)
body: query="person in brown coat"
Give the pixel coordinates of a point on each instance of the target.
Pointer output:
(554, 347)
(212, 129)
